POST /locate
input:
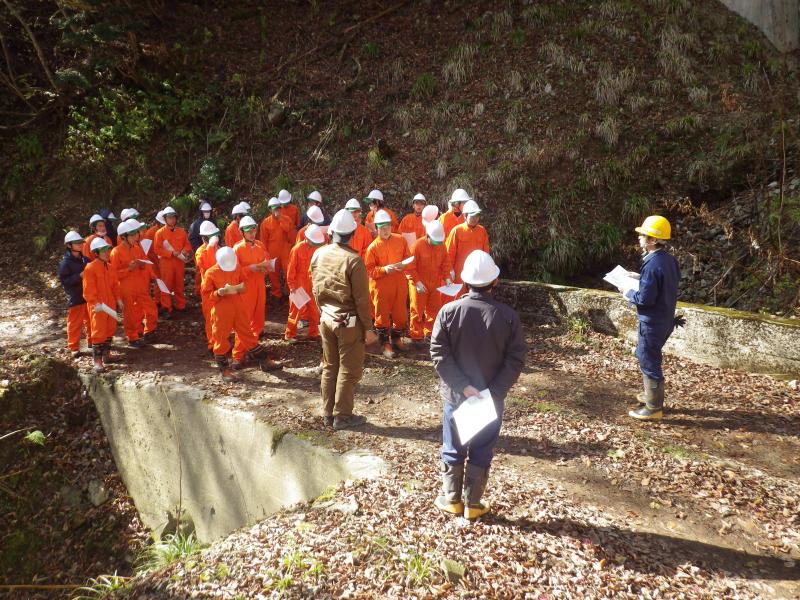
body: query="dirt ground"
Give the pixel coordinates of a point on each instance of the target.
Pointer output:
(587, 502)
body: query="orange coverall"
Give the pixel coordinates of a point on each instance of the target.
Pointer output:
(463, 240)
(301, 235)
(172, 269)
(291, 211)
(431, 266)
(370, 218)
(205, 257)
(389, 290)
(78, 319)
(227, 313)
(412, 223)
(277, 236)
(361, 240)
(298, 275)
(87, 244)
(232, 234)
(150, 234)
(450, 220)
(139, 314)
(100, 284)
(254, 298)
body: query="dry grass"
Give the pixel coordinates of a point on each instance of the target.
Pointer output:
(556, 55)
(608, 130)
(421, 135)
(404, 117)
(660, 87)
(478, 109)
(502, 23)
(685, 125)
(673, 53)
(441, 169)
(514, 81)
(698, 95)
(458, 68)
(511, 123)
(636, 102)
(614, 9)
(611, 87)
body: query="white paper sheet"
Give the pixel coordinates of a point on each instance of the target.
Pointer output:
(475, 413)
(407, 261)
(619, 278)
(410, 239)
(299, 297)
(168, 247)
(109, 311)
(450, 290)
(145, 261)
(162, 286)
(146, 245)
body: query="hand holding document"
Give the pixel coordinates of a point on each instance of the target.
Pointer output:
(100, 307)
(232, 289)
(162, 286)
(450, 289)
(620, 278)
(299, 297)
(473, 415)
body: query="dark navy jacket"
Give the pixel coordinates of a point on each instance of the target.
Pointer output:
(477, 341)
(194, 232)
(658, 289)
(69, 272)
(110, 229)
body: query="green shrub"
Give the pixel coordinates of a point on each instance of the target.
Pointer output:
(424, 86)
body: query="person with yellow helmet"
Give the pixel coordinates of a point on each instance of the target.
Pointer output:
(655, 303)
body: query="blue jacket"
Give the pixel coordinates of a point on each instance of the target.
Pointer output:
(658, 289)
(69, 272)
(195, 240)
(110, 229)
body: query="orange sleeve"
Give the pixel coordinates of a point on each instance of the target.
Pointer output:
(291, 270)
(208, 287)
(90, 286)
(158, 244)
(411, 271)
(119, 263)
(485, 241)
(452, 245)
(374, 270)
(183, 241)
(446, 266)
(114, 285)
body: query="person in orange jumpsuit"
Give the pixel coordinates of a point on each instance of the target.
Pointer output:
(98, 226)
(454, 215)
(101, 286)
(412, 222)
(140, 316)
(429, 271)
(205, 257)
(362, 238)
(223, 287)
(173, 250)
(389, 286)
(466, 237)
(276, 233)
(254, 261)
(150, 234)
(299, 276)
(232, 234)
(314, 216)
(70, 273)
(375, 202)
(290, 210)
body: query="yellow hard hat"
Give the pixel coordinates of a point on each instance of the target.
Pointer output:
(656, 227)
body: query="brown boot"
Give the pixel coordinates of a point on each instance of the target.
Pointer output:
(97, 355)
(224, 368)
(397, 340)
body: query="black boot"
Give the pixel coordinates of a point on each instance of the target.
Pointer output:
(474, 486)
(383, 342)
(397, 340)
(224, 368)
(97, 356)
(653, 397)
(452, 486)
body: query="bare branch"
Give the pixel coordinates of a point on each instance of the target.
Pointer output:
(35, 43)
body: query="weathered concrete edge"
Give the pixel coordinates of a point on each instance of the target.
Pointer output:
(715, 336)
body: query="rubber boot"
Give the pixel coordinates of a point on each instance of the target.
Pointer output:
(449, 500)
(474, 485)
(224, 368)
(397, 340)
(383, 342)
(97, 356)
(653, 397)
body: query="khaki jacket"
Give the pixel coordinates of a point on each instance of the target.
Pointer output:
(339, 283)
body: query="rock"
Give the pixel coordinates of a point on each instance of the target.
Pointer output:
(277, 115)
(793, 384)
(98, 493)
(453, 570)
(350, 507)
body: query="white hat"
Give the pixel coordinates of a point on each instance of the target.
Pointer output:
(343, 222)
(284, 197)
(98, 243)
(315, 196)
(134, 225)
(471, 208)
(352, 204)
(246, 205)
(479, 269)
(168, 211)
(95, 218)
(382, 218)
(315, 235)
(240, 209)
(435, 231)
(111, 216)
(72, 236)
(273, 202)
(375, 195)
(460, 195)
(205, 207)
(124, 228)
(418, 198)
(314, 214)
(128, 213)
(247, 222)
(160, 217)
(207, 228)
(430, 213)
(226, 259)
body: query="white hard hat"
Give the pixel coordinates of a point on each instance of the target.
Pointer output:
(418, 198)
(314, 213)
(284, 197)
(315, 196)
(352, 204)
(460, 195)
(273, 202)
(160, 217)
(99, 243)
(207, 228)
(123, 228)
(315, 235)
(72, 236)
(479, 269)
(134, 225)
(246, 205)
(435, 231)
(375, 195)
(95, 218)
(168, 211)
(343, 223)
(471, 208)
(430, 213)
(247, 223)
(111, 216)
(128, 213)
(239, 209)
(205, 207)
(382, 218)
(226, 259)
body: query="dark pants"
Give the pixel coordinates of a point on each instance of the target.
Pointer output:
(652, 337)
(480, 449)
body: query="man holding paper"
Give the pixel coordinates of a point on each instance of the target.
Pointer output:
(101, 292)
(255, 263)
(298, 280)
(478, 350)
(466, 237)
(412, 223)
(173, 250)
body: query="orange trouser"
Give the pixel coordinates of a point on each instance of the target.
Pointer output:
(254, 304)
(424, 308)
(139, 314)
(390, 298)
(275, 277)
(230, 317)
(103, 327)
(207, 316)
(78, 320)
(172, 270)
(309, 313)
(197, 282)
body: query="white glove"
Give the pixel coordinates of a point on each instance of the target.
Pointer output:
(448, 281)
(420, 287)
